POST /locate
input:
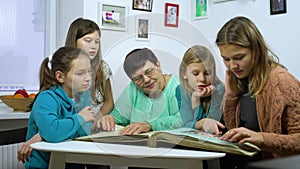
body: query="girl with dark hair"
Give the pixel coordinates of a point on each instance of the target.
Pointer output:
(53, 113)
(85, 35)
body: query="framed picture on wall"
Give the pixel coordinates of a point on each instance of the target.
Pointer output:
(142, 29)
(200, 9)
(143, 5)
(277, 6)
(112, 17)
(171, 14)
(218, 1)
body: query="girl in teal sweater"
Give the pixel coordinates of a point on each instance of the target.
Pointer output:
(201, 92)
(52, 113)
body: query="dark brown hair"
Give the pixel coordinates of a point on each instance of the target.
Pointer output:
(79, 28)
(61, 61)
(136, 59)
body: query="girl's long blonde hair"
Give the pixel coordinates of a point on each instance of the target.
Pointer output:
(197, 54)
(242, 32)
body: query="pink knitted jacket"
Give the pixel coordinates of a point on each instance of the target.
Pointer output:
(278, 112)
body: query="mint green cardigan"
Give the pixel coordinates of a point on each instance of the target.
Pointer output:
(161, 112)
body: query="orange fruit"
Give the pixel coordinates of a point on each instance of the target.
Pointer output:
(9, 96)
(32, 95)
(18, 96)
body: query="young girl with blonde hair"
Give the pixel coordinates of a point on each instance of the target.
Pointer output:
(200, 91)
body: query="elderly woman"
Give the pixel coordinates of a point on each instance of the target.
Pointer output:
(149, 101)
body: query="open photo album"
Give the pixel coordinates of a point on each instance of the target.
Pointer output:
(182, 137)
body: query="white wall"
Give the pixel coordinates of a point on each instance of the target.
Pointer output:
(280, 32)
(168, 43)
(66, 17)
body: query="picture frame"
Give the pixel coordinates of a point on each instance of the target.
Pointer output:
(277, 7)
(219, 1)
(112, 17)
(200, 9)
(142, 29)
(171, 14)
(143, 5)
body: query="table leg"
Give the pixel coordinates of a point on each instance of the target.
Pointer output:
(213, 164)
(195, 164)
(118, 167)
(57, 160)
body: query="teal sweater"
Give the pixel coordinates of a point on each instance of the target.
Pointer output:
(160, 112)
(53, 117)
(191, 116)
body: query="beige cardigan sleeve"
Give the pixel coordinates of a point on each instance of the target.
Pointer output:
(280, 115)
(278, 111)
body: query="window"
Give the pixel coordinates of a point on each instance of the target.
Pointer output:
(22, 45)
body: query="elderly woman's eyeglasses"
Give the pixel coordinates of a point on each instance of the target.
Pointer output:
(140, 78)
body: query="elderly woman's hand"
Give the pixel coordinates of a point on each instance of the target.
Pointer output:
(136, 128)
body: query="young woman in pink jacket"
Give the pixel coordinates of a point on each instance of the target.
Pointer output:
(262, 99)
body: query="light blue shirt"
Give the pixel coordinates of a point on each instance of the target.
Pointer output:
(191, 116)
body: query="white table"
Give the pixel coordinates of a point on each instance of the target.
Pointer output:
(10, 120)
(12, 131)
(122, 155)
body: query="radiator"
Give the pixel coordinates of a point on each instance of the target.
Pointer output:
(8, 157)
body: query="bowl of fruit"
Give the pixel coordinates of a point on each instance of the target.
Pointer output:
(20, 101)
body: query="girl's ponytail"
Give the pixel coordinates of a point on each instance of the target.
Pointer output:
(47, 78)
